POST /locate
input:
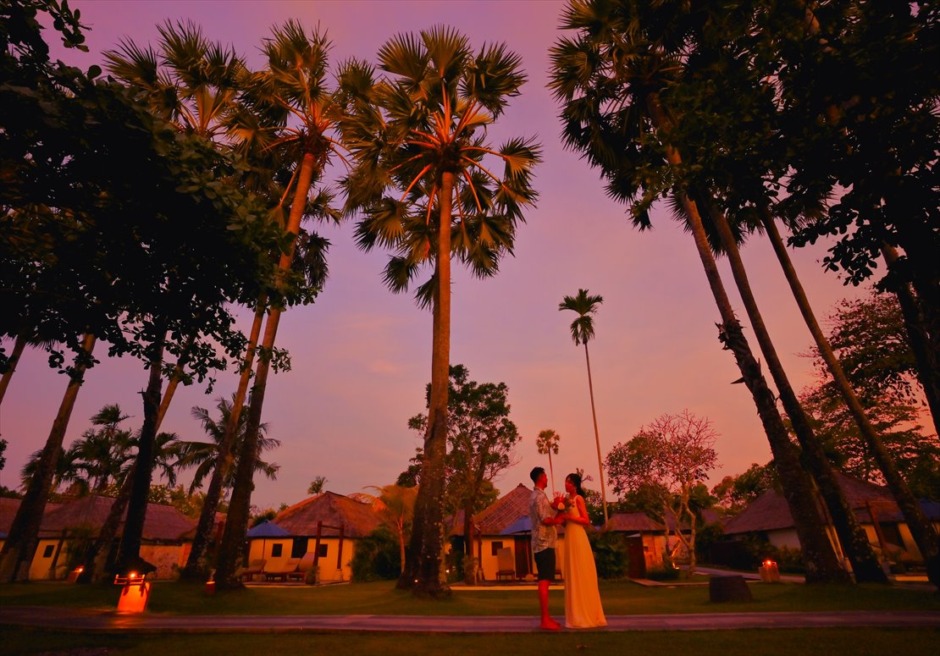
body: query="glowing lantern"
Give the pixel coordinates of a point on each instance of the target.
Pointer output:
(769, 572)
(134, 594)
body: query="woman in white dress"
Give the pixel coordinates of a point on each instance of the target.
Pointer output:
(583, 608)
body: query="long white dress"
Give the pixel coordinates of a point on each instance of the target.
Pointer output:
(583, 608)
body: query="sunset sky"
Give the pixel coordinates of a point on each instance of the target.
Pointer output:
(361, 355)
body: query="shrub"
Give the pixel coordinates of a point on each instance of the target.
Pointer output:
(610, 554)
(377, 557)
(668, 572)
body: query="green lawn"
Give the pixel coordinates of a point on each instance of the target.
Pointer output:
(619, 597)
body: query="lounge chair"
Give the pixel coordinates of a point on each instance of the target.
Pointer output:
(281, 570)
(505, 564)
(254, 567)
(303, 568)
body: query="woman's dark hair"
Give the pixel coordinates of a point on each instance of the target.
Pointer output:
(576, 481)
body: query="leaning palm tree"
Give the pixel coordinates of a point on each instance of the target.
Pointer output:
(612, 80)
(426, 183)
(23, 536)
(193, 84)
(582, 331)
(293, 87)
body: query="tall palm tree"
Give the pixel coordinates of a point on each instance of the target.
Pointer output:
(921, 529)
(423, 180)
(192, 83)
(611, 81)
(293, 86)
(582, 331)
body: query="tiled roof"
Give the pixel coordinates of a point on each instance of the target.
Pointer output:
(357, 519)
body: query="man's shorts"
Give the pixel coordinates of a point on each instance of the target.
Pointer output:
(545, 564)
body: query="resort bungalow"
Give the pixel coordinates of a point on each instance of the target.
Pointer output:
(646, 541)
(502, 537)
(68, 526)
(327, 526)
(875, 508)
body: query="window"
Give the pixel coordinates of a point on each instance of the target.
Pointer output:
(892, 535)
(323, 550)
(298, 548)
(495, 546)
(48, 551)
(277, 550)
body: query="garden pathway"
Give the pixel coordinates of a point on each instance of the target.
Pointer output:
(91, 621)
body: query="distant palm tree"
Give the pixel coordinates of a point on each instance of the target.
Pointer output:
(202, 455)
(582, 331)
(101, 457)
(547, 444)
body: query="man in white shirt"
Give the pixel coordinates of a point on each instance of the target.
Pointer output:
(544, 535)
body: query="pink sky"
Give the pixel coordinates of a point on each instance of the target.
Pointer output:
(361, 355)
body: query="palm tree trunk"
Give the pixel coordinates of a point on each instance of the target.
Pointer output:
(18, 346)
(423, 571)
(854, 540)
(96, 566)
(921, 529)
(921, 266)
(175, 377)
(818, 556)
(926, 357)
(197, 565)
(129, 555)
(23, 538)
(597, 436)
(236, 524)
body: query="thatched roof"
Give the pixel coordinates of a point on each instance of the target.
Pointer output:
(8, 508)
(504, 511)
(357, 519)
(162, 523)
(634, 522)
(218, 526)
(770, 512)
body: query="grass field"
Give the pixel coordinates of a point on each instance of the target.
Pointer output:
(620, 598)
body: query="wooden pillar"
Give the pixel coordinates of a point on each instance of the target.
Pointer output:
(339, 556)
(316, 550)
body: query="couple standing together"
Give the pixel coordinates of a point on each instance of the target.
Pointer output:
(582, 600)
